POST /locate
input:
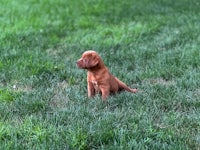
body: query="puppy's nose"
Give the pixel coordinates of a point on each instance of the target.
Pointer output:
(78, 62)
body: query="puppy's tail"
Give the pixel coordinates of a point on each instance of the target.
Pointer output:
(123, 86)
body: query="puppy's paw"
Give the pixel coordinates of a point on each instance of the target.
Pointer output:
(134, 90)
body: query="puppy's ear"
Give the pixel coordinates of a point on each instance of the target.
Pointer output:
(92, 62)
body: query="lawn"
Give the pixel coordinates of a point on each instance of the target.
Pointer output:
(151, 45)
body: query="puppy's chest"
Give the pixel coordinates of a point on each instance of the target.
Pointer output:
(95, 85)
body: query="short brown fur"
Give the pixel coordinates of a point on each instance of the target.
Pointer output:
(99, 79)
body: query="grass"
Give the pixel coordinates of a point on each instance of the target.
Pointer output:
(152, 45)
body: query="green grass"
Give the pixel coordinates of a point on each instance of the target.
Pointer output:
(152, 45)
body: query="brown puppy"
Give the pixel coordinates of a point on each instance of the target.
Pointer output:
(99, 78)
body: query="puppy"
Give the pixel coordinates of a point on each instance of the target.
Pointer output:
(99, 79)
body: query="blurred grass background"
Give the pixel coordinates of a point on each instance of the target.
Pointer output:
(152, 45)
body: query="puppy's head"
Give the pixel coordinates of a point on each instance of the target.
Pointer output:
(89, 60)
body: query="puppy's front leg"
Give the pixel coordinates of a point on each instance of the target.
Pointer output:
(105, 92)
(91, 90)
